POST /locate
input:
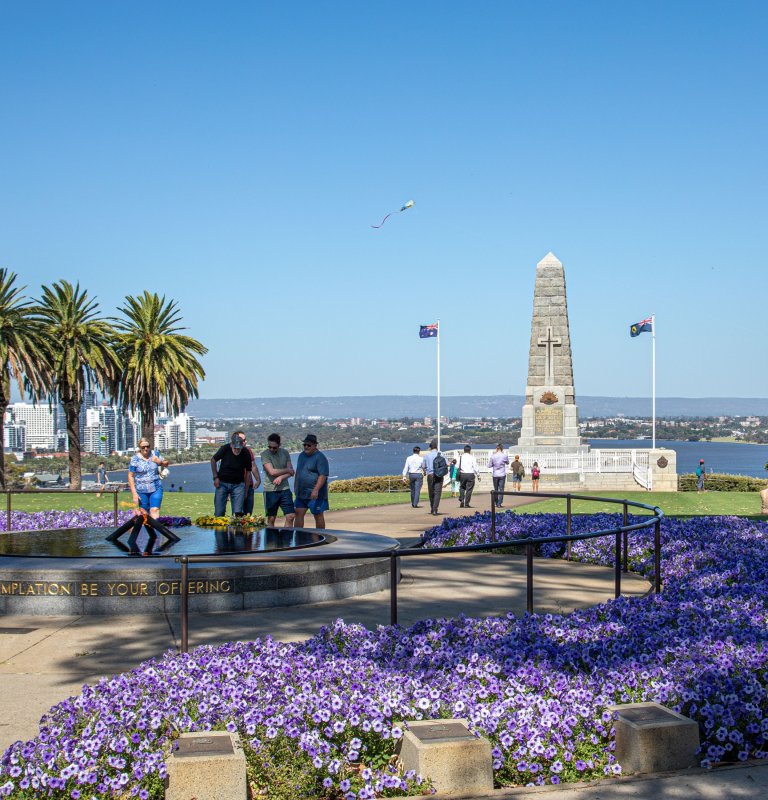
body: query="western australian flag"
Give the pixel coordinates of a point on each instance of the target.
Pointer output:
(646, 326)
(427, 331)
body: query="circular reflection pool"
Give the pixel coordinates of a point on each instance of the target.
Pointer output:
(92, 542)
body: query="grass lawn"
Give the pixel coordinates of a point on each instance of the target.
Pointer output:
(187, 504)
(671, 503)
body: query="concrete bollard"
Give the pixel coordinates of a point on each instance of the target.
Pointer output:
(207, 765)
(444, 750)
(652, 738)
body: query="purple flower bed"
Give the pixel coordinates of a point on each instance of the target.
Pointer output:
(332, 708)
(45, 520)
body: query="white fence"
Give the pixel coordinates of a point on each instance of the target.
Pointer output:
(630, 461)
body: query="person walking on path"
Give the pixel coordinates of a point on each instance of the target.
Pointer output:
(454, 476)
(701, 474)
(276, 462)
(229, 465)
(252, 479)
(468, 471)
(436, 468)
(413, 473)
(311, 483)
(535, 475)
(144, 478)
(498, 462)
(101, 478)
(518, 473)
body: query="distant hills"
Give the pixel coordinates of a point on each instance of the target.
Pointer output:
(384, 406)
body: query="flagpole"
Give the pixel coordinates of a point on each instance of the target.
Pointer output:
(438, 385)
(653, 390)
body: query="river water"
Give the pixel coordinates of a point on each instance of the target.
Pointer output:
(388, 459)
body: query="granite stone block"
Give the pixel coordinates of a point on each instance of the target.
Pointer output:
(207, 766)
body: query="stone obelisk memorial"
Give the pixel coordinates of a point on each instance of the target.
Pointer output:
(550, 414)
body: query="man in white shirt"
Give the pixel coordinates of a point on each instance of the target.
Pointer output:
(468, 471)
(413, 473)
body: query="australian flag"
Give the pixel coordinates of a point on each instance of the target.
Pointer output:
(646, 326)
(427, 331)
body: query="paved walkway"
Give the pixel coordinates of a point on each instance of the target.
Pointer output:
(45, 659)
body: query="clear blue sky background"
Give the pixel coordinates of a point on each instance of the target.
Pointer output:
(234, 156)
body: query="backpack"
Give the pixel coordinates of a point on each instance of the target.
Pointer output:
(439, 466)
(698, 472)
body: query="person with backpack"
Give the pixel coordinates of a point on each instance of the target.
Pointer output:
(701, 473)
(535, 475)
(518, 473)
(454, 476)
(436, 468)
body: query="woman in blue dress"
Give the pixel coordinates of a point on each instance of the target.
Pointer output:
(144, 478)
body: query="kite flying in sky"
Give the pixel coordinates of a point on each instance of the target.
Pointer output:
(408, 205)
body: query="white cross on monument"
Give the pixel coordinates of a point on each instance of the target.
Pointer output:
(550, 343)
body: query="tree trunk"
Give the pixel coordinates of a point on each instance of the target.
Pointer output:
(148, 423)
(5, 396)
(72, 415)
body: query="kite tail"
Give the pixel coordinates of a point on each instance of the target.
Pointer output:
(383, 221)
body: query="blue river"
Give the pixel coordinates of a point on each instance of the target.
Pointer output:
(388, 459)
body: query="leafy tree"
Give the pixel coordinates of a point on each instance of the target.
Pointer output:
(159, 363)
(22, 349)
(82, 357)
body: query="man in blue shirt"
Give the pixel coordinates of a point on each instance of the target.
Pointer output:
(311, 483)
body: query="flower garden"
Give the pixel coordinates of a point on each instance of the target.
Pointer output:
(321, 718)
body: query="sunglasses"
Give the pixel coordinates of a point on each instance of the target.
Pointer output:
(310, 444)
(273, 447)
(144, 447)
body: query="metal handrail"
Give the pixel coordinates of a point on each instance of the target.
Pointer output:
(395, 553)
(9, 492)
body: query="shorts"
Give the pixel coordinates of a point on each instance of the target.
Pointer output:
(149, 500)
(278, 500)
(315, 506)
(517, 478)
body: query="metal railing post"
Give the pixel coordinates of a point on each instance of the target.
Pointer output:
(8, 509)
(493, 517)
(114, 494)
(393, 589)
(626, 538)
(657, 554)
(184, 604)
(568, 526)
(529, 577)
(617, 566)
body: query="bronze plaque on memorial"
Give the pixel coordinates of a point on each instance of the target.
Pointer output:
(549, 422)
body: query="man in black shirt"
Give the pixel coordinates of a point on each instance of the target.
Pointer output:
(230, 464)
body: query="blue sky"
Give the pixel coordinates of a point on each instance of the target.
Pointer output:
(233, 156)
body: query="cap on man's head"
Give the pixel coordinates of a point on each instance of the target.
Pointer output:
(236, 441)
(310, 438)
(701, 461)
(433, 444)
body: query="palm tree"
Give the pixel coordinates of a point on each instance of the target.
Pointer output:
(82, 356)
(159, 363)
(22, 349)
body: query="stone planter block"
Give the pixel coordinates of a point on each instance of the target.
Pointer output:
(207, 765)
(652, 738)
(444, 750)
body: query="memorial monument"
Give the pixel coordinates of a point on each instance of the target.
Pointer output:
(550, 415)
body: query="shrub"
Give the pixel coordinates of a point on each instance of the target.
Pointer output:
(373, 483)
(717, 482)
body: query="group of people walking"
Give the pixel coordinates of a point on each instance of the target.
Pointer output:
(236, 478)
(462, 473)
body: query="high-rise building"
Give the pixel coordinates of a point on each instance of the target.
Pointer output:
(14, 436)
(176, 434)
(40, 424)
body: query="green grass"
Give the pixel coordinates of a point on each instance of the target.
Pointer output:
(186, 504)
(673, 504)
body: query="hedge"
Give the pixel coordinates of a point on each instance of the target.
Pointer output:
(718, 482)
(374, 483)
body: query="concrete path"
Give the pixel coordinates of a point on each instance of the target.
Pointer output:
(46, 659)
